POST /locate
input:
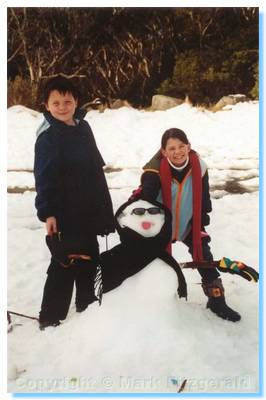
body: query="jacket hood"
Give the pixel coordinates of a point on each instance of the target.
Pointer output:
(50, 120)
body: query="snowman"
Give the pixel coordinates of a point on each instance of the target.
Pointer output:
(145, 229)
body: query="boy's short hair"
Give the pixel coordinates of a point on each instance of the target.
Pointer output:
(62, 85)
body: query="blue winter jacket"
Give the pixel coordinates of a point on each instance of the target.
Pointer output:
(69, 177)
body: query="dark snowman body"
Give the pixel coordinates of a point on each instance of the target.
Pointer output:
(144, 236)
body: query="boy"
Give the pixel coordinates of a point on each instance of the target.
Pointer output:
(72, 198)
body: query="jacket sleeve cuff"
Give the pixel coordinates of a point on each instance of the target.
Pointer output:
(44, 214)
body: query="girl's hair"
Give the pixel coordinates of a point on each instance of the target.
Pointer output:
(173, 133)
(62, 85)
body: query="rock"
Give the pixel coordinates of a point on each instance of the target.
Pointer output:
(231, 100)
(96, 104)
(162, 103)
(118, 103)
(101, 104)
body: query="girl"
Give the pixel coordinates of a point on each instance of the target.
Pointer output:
(177, 177)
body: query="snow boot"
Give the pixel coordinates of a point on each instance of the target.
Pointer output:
(46, 324)
(216, 301)
(80, 307)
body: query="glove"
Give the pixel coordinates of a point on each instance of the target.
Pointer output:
(67, 251)
(238, 268)
(136, 194)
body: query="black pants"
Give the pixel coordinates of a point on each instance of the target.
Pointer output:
(59, 286)
(208, 275)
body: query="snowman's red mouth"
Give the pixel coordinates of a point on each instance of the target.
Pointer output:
(146, 225)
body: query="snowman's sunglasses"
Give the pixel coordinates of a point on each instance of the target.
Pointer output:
(142, 211)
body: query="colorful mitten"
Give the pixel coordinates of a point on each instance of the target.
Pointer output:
(239, 268)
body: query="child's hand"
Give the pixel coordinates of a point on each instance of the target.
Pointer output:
(51, 226)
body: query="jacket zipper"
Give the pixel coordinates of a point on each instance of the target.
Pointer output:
(178, 202)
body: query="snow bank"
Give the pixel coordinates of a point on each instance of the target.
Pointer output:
(143, 338)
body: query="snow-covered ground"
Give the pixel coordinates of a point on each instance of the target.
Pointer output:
(143, 338)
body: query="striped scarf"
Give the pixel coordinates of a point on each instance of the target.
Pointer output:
(166, 178)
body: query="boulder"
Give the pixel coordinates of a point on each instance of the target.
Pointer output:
(101, 104)
(118, 103)
(96, 104)
(230, 100)
(162, 103)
